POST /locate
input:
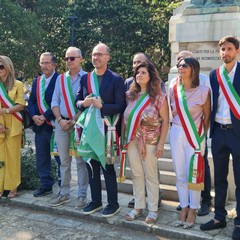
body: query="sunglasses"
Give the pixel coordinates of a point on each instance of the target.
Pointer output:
(182, 65)
(70, 58)
(2, 67)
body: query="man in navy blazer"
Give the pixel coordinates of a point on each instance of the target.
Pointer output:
(225, 131)
(42, 125)
(111, 102)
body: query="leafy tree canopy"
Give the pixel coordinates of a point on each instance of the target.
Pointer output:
(30, 27)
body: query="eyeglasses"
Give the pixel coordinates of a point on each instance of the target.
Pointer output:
(98, 54)
(2, 67)
(70, 58)
(184, 65)
(44, 63)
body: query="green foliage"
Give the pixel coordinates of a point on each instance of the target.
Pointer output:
(28, 28)
(29, 174)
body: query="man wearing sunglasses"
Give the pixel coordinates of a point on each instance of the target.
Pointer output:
(206, 193)
(39, 106)
(104, 90)
(66, 114)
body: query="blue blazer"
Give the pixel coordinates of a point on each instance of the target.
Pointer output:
(111, 92)
(33, 106)
(215, 94)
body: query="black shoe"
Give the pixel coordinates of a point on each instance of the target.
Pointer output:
(212, 225)
(110, 210)
(236, 233)
(92, 207)
(179, 208)
(131, 203)
(42, 192)
(204, 210)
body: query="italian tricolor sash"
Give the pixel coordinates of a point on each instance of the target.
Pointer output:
(42, 104)
(229, 92)
(133, 122)
(7, 102)
(69, 99)
(112, 148)
(68, 95)
(196, 169)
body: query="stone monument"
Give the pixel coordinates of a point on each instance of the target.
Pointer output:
(198, 25)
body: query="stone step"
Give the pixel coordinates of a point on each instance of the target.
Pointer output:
(168, 192)
(165, 164)
(167, 177)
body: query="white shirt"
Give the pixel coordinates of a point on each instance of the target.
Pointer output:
(223, 110)
(47, 80)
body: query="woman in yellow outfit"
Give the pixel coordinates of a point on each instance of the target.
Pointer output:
(11, 102)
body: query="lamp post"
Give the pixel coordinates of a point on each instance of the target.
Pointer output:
(72, 20)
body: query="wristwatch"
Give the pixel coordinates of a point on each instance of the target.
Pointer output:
(6, 110)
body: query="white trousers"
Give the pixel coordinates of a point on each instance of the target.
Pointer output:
(181, 153)
(144, 174)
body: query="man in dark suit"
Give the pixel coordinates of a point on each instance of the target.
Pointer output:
(225, 131)
(39, 106)
(111, 101)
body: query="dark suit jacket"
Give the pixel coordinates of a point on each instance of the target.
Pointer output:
(33, 106)
(111, 92)
(215, 94)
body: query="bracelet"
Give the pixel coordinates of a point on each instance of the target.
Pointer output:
(59, 120)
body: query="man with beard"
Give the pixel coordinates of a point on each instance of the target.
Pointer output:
(225, 131)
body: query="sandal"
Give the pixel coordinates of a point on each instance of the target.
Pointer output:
(132, 215)
(151, 218)
(12, 194)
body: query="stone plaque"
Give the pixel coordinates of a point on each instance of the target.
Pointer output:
(207, 54)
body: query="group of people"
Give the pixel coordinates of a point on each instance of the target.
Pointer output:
(138, 111)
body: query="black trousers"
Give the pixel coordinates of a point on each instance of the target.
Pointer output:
(95, 182)
(206, 193)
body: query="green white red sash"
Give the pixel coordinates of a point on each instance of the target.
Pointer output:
(196, 169)
(68, 95)
(112, 148)
(69, 101)
(133, 122)
(229, 92)
(42, 104)
(7, 102)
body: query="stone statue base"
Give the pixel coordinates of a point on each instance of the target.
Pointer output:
(199, 29)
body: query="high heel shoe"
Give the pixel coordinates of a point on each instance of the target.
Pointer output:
(190, 221)
(182, 218)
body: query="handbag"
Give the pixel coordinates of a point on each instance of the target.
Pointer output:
(27, 121)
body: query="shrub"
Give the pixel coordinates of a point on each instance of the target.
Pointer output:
(29, 175)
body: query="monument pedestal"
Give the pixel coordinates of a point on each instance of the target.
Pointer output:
(198, 29)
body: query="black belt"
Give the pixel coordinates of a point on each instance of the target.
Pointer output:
(65, 118)
(223, 126)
